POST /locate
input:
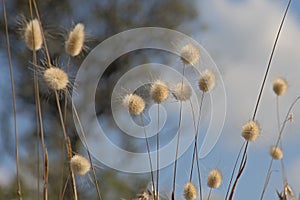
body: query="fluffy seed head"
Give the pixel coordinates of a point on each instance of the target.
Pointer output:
(159, 91)
(33, 35)
(250, 131)
(190, 191)
(190, 54)
(276, 153)
(279, 86)
(56, 78)
(134, 103)
(75, 41)
(182, 92)
(80, 165)
(207, 81)
(214, 178)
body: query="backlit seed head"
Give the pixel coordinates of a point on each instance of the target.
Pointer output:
(250, 131)
(159, 91)
(75, 41)
(214, 178)
(182, 92)
(190, 191)
(134, 103)
(276, 153)
(56, 78)
(207, 81)
(80, 165)
(33, 35)
(190, 54)
(279, 86)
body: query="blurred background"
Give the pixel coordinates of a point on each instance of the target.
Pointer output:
(239, 36)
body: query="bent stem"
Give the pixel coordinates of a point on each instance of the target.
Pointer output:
(277, 143)
(19, 191)
(65, 141)
(244, 157)
(87, 147)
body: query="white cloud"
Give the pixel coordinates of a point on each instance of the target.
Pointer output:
(240, 38)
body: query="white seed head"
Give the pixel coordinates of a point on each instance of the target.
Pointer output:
(33, 35)
(75, 41)
(182, 92)
(134, 103)
(80, 165)
(56, 78)
(159, 91)
(207, 80)
(190, 191)
(276, 153)
(190, 54)
(214, 178)
(288, 192)
(279, 86)
(250, 131)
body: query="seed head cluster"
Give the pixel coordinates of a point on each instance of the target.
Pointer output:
(214, 178)
(190, 191)
(279, 86)
(134, 103)
(250, 131)
(207, 81)
(80, 165)
(56, 78)
(33, 35)
(190, 54)
(182, 92)
(276, 153)
(159, 91)
(75, 41)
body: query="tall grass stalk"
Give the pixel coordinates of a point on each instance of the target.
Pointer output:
(286, 119)
(178, 137)
(19, 191)
(195, 149)
(87, 147)
(244, 156)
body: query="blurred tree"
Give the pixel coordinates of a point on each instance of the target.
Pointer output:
(102, 19)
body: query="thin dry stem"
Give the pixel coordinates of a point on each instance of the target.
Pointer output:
(65, 137)
(40, 128)
(42, 31)
(69, 150)
(244, 157)
(277, 143)
(14, 103)
(87, 148)
(150, 160)
(209, 194)
(46, 174)
(195, 151)
(178, 138)
(157, 153)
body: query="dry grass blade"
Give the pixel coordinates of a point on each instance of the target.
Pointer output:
(14, 103)
(244, 162)
(69, 149)
(46, 173)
